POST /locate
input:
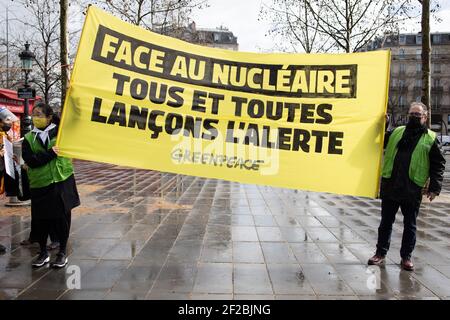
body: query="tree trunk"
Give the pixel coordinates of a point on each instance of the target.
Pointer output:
(63, 49)
(426, 48)
(347, 27)
(46, 74)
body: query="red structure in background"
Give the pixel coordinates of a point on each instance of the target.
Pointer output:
(9, 99)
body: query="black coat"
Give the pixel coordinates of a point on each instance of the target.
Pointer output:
(56, 199)
(399, 186)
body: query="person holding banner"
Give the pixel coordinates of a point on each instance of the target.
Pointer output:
(52, 185)
(6, 121)
(412, 156)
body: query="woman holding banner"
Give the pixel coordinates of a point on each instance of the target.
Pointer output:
(52, 185)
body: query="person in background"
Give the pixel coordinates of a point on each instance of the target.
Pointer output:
(52, 185)
(6, 121)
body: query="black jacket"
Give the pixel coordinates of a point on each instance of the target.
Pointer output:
(36, 160)
(399, 186)
(56, 199)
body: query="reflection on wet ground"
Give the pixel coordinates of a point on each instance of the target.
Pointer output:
(149, 235)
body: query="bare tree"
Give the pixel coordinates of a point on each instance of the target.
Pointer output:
(39, 25)
(43, 21)
(156, 15)
(64, 52)
(351, 24)
(398, 99)
(426, 49)
(293, 21)
(10, 73)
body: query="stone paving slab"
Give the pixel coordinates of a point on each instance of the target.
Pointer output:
(150, 235)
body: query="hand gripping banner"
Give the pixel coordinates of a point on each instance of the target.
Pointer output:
(304, 121)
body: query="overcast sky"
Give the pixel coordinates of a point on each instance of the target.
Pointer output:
(241, 17)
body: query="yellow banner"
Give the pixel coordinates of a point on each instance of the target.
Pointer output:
(303, 121)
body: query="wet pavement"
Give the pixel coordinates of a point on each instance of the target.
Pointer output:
(150, 235)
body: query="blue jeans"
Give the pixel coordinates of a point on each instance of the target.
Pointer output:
(410, 211)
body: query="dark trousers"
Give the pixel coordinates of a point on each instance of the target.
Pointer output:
(35, 238)
(389, 208)
(60, 227)
(11, 185)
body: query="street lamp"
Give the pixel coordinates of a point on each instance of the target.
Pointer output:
(26, 57)
(25, 93)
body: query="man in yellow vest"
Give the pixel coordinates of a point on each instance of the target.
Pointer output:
(412, 156)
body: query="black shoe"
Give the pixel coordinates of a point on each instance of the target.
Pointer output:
(60, 261)
(2, 249)
(41, 260)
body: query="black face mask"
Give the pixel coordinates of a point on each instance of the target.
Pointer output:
(6, 127)
(414, 122)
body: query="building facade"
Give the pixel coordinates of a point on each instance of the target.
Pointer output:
(215, 37)
(406, 75)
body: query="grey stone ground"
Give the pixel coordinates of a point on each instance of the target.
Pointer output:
(149, 235)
